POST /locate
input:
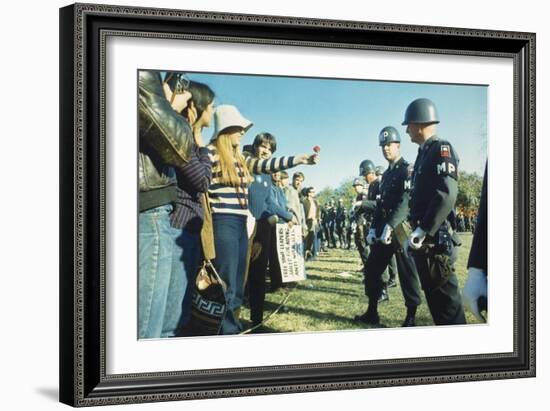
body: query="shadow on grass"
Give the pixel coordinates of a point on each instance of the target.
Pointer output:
(330, 290)
(343, 260)
(311, 313)
(335, 278)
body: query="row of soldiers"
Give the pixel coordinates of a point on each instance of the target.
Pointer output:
(411, 210)
(335, 225)
(338, 224)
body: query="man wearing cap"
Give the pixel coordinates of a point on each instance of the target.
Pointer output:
(433, 196)
(391, 212)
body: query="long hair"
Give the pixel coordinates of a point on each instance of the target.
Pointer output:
(233, 168)
(202, 97)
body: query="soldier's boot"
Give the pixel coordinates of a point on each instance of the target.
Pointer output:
(370, 317)
(410, 318)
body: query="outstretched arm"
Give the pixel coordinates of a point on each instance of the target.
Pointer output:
(257, 166)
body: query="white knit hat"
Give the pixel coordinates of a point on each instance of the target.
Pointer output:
(228, 116)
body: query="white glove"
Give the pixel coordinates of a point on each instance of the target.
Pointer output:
(475, 287)
(415, 240)
(357, 204)
(385, 238)
(371, 237)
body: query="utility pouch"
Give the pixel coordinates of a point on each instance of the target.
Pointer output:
(441, 269)
(402, 232)
(444, 242)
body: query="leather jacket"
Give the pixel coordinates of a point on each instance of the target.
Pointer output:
(165, 141)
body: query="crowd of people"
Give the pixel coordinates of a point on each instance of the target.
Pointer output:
(466, 220)
(185, 183)
(220, 201)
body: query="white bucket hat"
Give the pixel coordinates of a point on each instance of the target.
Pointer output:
(228, 116)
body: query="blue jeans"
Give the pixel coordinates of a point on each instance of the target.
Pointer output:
(185, 260)
(231, 242)
(156, 244)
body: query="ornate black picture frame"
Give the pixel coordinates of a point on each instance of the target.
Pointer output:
(83, 30)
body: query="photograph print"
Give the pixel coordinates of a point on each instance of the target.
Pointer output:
(278, 204)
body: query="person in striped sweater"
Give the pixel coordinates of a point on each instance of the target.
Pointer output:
(228, 194)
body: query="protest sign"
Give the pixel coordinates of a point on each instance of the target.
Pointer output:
(290, 251)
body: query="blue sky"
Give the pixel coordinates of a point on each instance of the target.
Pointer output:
(344, 118)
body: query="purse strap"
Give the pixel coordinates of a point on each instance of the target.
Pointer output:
(207, 231)
(208, 263)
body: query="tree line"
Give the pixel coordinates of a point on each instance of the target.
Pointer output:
(469, 192)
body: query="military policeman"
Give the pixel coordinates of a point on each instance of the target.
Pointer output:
(368, 207)
(379, 172)
(433, 196)
(324, 226)
(391, 213)
(331, 223)
(359, 223)
(340, 219)
(392, 267)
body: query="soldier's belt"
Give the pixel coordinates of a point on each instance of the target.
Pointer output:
(415, 223)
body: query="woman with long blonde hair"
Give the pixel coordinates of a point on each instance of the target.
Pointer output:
(228, 193)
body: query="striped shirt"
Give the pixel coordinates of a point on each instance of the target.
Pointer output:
(193, 180)
(225, 199)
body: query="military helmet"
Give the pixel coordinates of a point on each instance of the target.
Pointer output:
(421, 111)
(366, 167)
(379, 170)
(388, 135)
(359, 182)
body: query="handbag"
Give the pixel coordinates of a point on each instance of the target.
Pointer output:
(209, 302)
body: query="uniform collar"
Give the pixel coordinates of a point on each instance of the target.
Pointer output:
(429, 141)
(396, 163)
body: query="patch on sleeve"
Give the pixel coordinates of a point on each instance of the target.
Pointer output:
(447, 162)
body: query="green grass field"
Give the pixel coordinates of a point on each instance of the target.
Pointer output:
(333, 294)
